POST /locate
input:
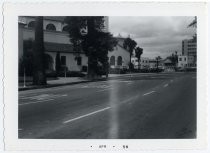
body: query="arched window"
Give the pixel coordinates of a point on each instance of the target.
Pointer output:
(112, 60)
(50, 27)
(31, 24)
(65, 28)
(119, 60)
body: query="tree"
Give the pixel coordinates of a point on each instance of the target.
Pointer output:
(193, 24)
(174, 58)
(157, 65)
(138, 53)
(58, 63)
(39, 77)
(129, 44)
(86, 34)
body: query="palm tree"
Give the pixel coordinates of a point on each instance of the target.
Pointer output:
(138, 53)
(39, 77)
(129, 44)
(193, 23)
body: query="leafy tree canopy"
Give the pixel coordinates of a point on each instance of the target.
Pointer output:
(138, 52)
(129, 44)
(87, 34)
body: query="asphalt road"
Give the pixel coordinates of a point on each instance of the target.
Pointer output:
(140, 106)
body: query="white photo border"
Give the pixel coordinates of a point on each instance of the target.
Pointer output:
(11, 13)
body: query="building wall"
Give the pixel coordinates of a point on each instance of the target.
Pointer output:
(189, 47)
(186, 61)
(119, 51)
(144, 63)
(49, 36)
(152, 64)
(71, 63)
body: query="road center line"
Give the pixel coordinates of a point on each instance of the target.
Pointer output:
(148, 93)
(40, 101)
(86, 115)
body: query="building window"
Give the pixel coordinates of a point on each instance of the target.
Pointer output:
(185, 59)
(65, 28)
(31, 24)
(63, 60)
(180, 59)
(119, 60)
(50, 27)
(112, 60)
(79, 60)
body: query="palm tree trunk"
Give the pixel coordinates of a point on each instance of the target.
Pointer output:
(39, 77)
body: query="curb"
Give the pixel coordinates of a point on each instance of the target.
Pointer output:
(57, 85)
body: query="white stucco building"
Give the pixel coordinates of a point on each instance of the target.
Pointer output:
(143, 64)
(56, 39)
(119, 57)
(185, 61)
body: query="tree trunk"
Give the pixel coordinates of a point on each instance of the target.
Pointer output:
(139, 66)
(91, 68)
(130, 62)
(39, 77)
(91, 64)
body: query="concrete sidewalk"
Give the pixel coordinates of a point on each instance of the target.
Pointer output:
(71, 80)
(61, 81)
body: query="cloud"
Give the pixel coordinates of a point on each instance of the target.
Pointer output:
(158, 36)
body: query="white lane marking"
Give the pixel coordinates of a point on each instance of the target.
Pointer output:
(166, 85)
(172, 80)
(148, 93)
(86, 115)
(40, 101)
(20, 129)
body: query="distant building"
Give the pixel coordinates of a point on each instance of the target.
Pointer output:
(144, 63)
(186, 61)
(168, 65)
(189, 47)
(134, 61)
(152, 64)
(189, 54)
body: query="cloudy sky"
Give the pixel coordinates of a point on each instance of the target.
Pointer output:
(158, 36)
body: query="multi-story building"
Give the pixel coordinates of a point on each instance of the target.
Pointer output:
(56, 39)
(189, 47)
(189, 53)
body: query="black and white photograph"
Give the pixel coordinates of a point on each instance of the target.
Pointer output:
(107, 77)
